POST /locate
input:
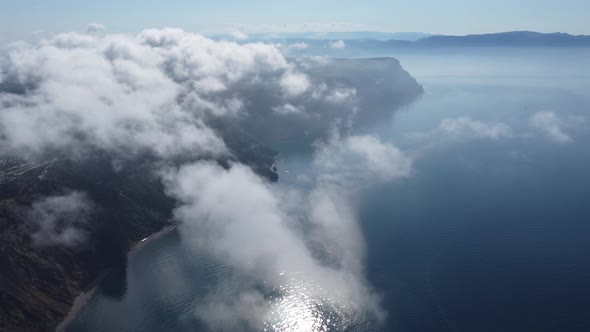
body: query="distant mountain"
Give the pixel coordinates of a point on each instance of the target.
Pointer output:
(348, 35)
(372, 47)
(513, 38)
(397, 40)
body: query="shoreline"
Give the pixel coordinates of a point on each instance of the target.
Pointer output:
(80, 302)
(139, 245)
(86, 294)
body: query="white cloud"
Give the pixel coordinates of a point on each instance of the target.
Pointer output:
(146, 93)
(270, 230)
(157, 92)
(338, 44)
(360, 160)
(55, 219)
(239, 35)
(287, 109)
(465, 128)
(344, 167)
(551, 125)
(95, 27)
(209, 85)
(298, 46)
(194, 57)
(255, 221)
(468, 126)
(341, 95)
(294, 84)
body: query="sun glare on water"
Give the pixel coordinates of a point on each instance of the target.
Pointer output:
(304, 306)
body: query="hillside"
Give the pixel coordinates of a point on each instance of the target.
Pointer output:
(38, 284)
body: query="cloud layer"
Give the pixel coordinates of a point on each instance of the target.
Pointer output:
(151, 92)
(78, 91)
(551, 126)
(157, 92)
(163, 93)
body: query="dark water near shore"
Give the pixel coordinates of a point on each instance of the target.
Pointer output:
(485, 235)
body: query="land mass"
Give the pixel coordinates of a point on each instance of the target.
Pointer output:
(365, 44)
(40, 284)
(512, 38)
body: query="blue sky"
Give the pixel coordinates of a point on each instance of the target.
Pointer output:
(20, 18)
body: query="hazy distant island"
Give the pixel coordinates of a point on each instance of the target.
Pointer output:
(418, 39)
(371, 43)
(512, 38)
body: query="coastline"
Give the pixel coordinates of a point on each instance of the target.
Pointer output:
(80, 302)
(87, 293)
(139, 245)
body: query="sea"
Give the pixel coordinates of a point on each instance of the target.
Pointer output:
(489, 233)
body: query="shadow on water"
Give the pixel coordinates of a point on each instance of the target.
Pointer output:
(114, 284)
(112, 249)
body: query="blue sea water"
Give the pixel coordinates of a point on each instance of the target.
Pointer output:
(486, 234)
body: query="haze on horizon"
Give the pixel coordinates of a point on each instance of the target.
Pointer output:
(23, 19)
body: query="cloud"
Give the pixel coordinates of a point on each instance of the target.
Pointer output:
(344, 167)
(288, 109)
(467, 126)
(464, 128)
(95, 27)
(294, 84)
(157, 93)
(360, 160)
(160, 92)
(152, 93)
(551, 125)
(274, 244)
(457, 130)
(56, 219)
(254, 217)
(239, 35)
(341, 95)
(298, 46)
(338, 44)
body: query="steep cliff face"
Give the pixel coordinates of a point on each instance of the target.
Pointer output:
(344, 95)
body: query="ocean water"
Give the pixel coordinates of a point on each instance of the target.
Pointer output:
(490, 232)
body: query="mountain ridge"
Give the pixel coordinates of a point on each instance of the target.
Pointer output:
(301, 44)
(511, 38)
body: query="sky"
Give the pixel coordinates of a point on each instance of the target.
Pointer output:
(20, 19)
